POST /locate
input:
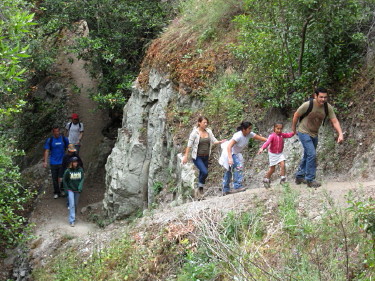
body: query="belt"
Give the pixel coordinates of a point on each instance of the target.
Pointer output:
(201, 155)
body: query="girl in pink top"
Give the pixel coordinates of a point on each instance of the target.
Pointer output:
(275, 152)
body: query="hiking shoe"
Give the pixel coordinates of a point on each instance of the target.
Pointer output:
(72, 224)
(267, 183)
(55, 196)
(239, 190)
(226, 193)
(300, 180)
(283, 180)
(313, 184)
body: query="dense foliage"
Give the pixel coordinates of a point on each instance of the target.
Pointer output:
(293, 46)
(119, 32)
(15, 23)
(13, 196)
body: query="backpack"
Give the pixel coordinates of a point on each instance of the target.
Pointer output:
(309, 109)
(66, 144)
(70, 125)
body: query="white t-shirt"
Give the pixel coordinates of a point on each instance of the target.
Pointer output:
(241, 141)
(74, 132)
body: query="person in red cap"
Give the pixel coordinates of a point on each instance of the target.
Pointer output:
(74, 131)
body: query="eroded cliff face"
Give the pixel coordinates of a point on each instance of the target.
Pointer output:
(145, 157)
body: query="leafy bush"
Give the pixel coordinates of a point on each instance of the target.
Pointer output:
(364, 212)
(13, 196)
(292, 46)
(222, 102)
(15, 23)
(208, 17)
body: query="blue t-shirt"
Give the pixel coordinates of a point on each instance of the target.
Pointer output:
(57, 149)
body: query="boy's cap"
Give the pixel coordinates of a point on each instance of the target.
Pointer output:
(75, 116)
(74, 159)
(71, 148)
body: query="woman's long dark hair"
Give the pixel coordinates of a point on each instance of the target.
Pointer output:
(201, 118)
(244, 125)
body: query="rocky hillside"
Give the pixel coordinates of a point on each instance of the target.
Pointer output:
(167, 98)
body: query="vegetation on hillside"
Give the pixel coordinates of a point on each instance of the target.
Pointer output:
(278, 52)
(271, 241)
(15, 24)
(118, 34)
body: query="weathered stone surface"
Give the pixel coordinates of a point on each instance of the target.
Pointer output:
(144, 153)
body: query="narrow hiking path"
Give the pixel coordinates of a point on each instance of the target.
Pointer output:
(309, 199)
(50, 216)
(53, 231)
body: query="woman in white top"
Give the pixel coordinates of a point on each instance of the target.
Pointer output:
(200, 143)
(235, 160)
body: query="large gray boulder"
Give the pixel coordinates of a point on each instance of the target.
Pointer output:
(144, 156)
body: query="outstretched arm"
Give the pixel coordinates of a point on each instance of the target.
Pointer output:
(220, 142)
(229, 149)
(185, 157)
(296, 116)
(336, 124)
(260, 138)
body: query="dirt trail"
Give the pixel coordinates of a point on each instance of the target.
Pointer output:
(309, 199)
(50, 216)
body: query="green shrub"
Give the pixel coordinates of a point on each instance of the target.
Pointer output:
(222, 102)
(13, 196)
(292, 46)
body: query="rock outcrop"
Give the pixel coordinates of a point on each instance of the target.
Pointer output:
(144, 159)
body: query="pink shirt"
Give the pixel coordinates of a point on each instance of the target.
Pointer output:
(277, 142)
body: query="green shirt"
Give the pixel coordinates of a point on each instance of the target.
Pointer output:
(311, 123)
(73, 179)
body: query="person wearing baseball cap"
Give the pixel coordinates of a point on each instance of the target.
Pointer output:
(74, 131)
(73, 183)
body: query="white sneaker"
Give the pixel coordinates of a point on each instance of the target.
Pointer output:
(55, 196)
(266, 183)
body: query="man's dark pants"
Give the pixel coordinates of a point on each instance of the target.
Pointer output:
(56, 172)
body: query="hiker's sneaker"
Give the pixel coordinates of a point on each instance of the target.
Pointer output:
(72, 224)
(266, 183)
(313, 184)
(239, 190)
(300, 180)
(226, 193)
(283, 180)
(55, 196)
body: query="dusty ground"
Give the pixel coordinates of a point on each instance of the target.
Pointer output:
(52, 230)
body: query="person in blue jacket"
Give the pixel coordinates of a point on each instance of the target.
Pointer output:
(54, 151)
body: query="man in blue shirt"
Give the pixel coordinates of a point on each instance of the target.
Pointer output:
(55, 147)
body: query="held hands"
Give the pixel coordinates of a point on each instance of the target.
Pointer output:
(184, 159)
(44, 164)
(230, 161)
(260, 150)
(340, 138)
(224, 140)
